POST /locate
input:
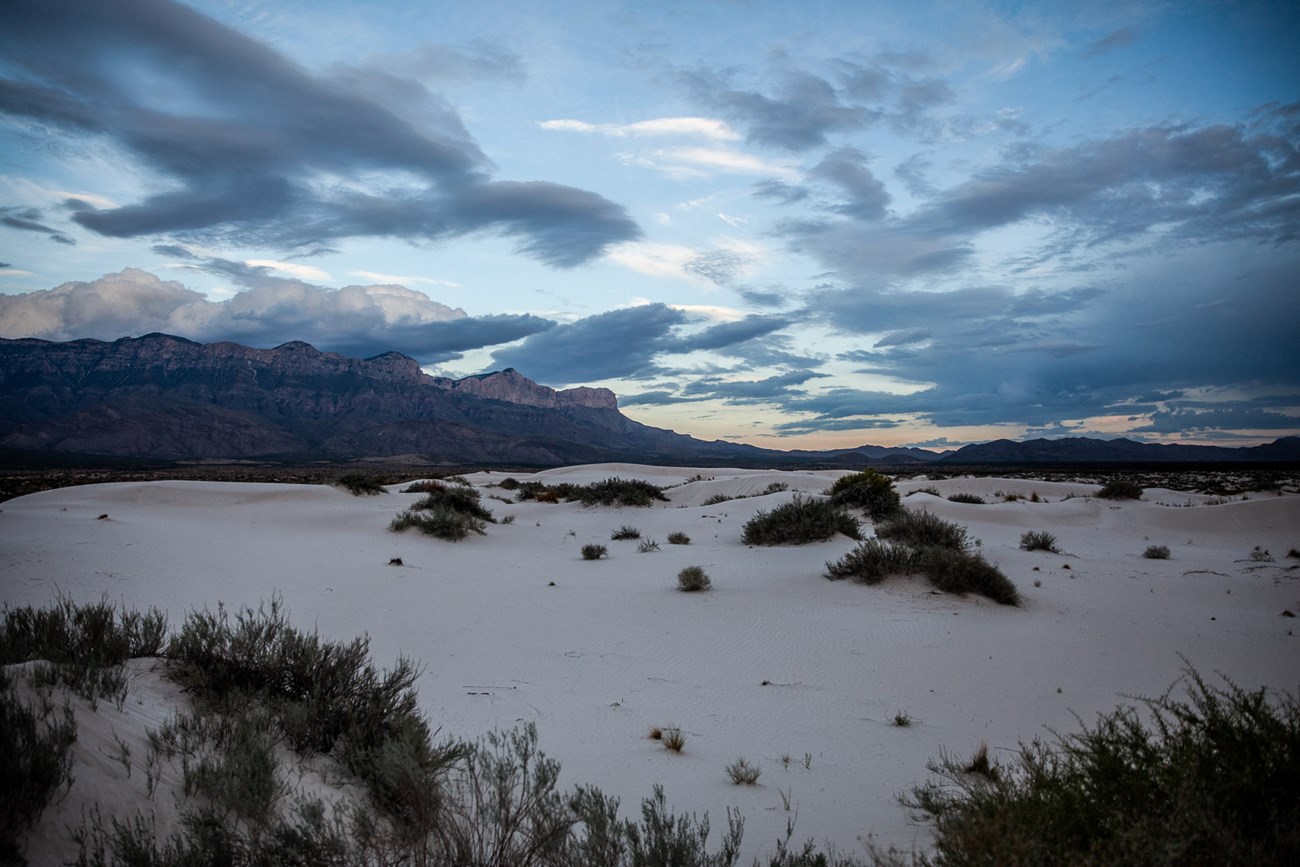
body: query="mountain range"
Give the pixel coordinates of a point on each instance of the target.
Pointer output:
(168, 398)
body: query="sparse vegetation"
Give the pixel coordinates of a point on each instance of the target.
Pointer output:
(1120, 488)
(619, 492)
(928, 489)
(678, 538)
(902, 720)
(717, 499)
(1038, 540)
(1260, 555)
(458, 499)
(868, 490)
(693, 579)
(1205, 780)
(359, 485)
(34, 764)
(922, 529)
(973, 499)
(742, 772)
(873, 561)
(646, 546)
(1156, 552)
(594, 552)
(673, 739)
(625, 532)
(440, 522)
(800, 521)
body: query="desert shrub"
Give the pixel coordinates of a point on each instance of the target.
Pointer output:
(646, 546)
(973, 499)
(509, 483)
(873, 561)
(799, 521)
(359, 485)
(440, 522)
(625, 532)
(1294, 553)
(742, 772)
(34, 764)
(922, 529)
(1038, 540)
(673, 739)
(717, 499)
(678, 538)
(461, 499)
(421, 487)
(774, 488)
(958, 571)
(661, 839)
(902, 719)
(868, 490)
(1120, 488)
(1156, 552)
(1205, 780)
(617, 492)
(693, 578)
(928, 489)
(594, 552)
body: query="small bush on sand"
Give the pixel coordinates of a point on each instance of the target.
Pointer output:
(673, 739)
(973, 499)
(800, 521)
(1205, 780)
(1156, 552)
(439, 522)
(421, 487)
(921, 529)
(458, 499)
(692, 578)
(954, 571)
(1038, 540)
(359, 485)
(868, 490)
(625, 532)
(594, 552)
(742, 772)
(928, 489)
(717, 499)
(1120, 488)
(35, 762)
(618, 492)
(678, 539)
(646, 546)
(872, 562)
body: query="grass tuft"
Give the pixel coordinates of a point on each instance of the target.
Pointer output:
(922, 529)
(625, 532)
(1120, 488)
(594, 552)
(1156, 552)
(692, 579)
(742, 772)
(973, 499)
(1038, 540)
(678, 538)
(800, 521)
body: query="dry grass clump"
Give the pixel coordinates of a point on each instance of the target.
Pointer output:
(678, 538)
(594, 552)
(873, 561)
(800, 521)
(973, 499)
(1205, 780)
(1156, 552)
(742, 772)
(1120, 488)
(1038, 540)
(673, 739)
(359, 485)
(619, 492)
(922, 529)
(450, 513)
(693, 579)
(717, 499)
(625, 532)
(646, 546)
(868, 490)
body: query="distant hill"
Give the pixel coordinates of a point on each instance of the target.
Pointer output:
(167, 398)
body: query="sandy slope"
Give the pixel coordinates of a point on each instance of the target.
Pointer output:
(613, 648)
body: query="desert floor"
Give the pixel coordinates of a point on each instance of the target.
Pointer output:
(797, 674)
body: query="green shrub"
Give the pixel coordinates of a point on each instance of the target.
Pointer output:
(1038, 540)
(873, 561)
(1156, 552)
(800, 521)
(678, 538)
(440, 522)
(973, 499)
(921, 529)
(359, 485)
(958, 571)
(692, 579)
(868, 490)
(773, 488)
(458, 499)
(1206, 780)
(625, 532)
(1120, 488)
(661, 839)
(34, 764)
(594, 552)
(617, 492)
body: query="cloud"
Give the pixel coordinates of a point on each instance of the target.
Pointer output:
(685, 163)
(801, 113)
(28, 220)
(617, 344)
(705, 127)
(445, 63)
(771, 389)
(1183, 421)
(353, 320)
(1121, 38)
(846, 168)
(248, 147)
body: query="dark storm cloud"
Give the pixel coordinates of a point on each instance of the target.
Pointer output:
(28, 220)
(619, 343)
(654, 398)
(252, 146)
(803, 110)
(354, 320)
(1238, 418)
(730, 333)
(760, 298)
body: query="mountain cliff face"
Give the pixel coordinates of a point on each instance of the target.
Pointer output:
(166, 397)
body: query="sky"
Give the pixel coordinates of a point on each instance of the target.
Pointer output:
(813, 225)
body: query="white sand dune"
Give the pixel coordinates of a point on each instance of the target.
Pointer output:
(776, 661)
